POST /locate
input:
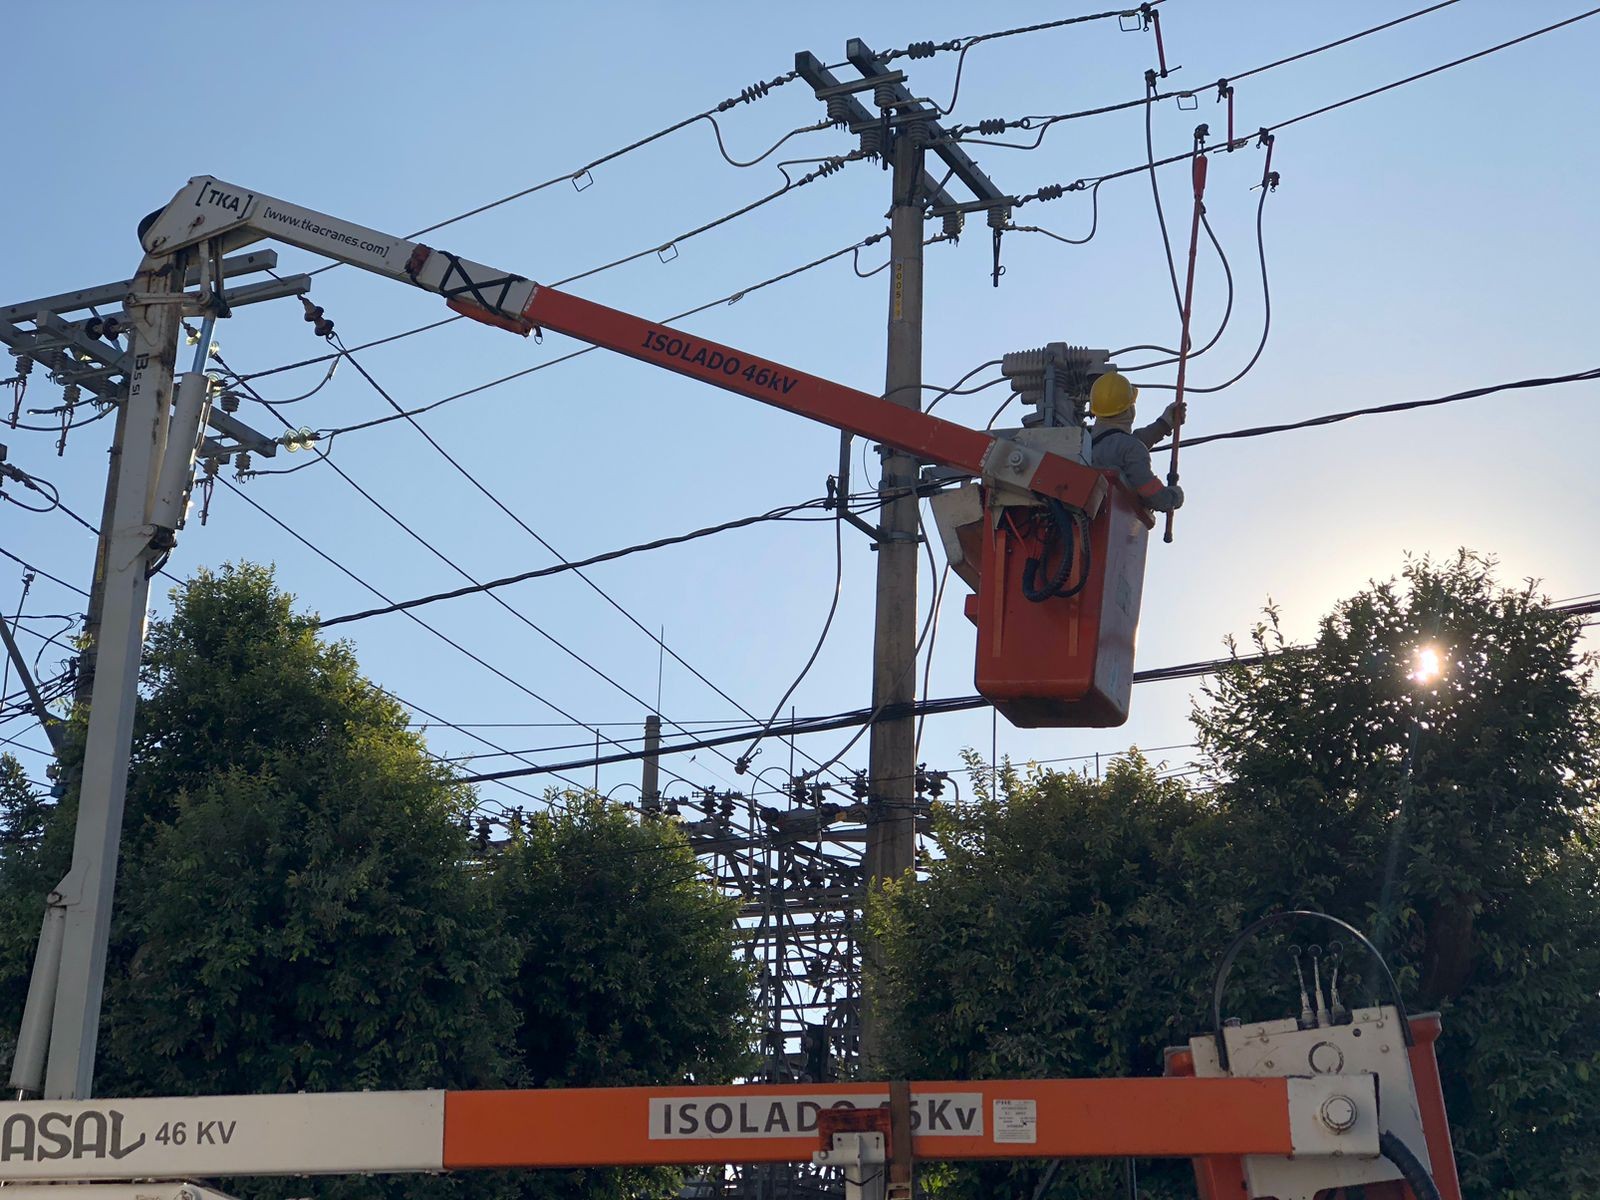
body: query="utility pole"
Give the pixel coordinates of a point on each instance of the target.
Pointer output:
(159, 430)
(891, 763)
(901, 132)
(650, 785)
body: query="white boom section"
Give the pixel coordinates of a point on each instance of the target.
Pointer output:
(184, 1137)
(209, 210)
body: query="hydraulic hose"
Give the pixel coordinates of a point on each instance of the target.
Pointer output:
(1411, 1168)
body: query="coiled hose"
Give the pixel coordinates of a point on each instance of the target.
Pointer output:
(1068, 522)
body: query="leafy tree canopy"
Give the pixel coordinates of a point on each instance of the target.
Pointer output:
(1074, 927)
(301, 905)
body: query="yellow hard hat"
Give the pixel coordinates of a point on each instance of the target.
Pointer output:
(1112, 394)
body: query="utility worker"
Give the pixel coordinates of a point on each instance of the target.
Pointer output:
(1119, 446)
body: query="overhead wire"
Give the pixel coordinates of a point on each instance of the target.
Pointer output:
(1054, 191)
(743, 762)
(596, 588)
(1266, 306)
(829, 166)
(731, 298)
(1044, 122)
(1155, 190)
(22, 562)
(747, 95)
(966, 44)
(1587, 376)
(438, 633)
(865, 717)
(776, 514)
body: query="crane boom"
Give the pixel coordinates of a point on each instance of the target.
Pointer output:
(223, 216)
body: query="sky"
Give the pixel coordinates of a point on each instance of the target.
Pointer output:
(1431, 239)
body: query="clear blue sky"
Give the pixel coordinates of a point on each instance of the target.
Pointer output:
(1432, 239)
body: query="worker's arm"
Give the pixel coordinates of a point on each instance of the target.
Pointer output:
(1160, 427)
(1131, 457)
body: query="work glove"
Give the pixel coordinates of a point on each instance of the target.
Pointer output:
(1175, 413)
(1168, 499)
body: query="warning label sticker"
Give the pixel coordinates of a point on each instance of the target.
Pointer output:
(953, 1114)
(1016, 1121)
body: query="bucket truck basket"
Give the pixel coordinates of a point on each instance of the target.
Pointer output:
(1055, 598)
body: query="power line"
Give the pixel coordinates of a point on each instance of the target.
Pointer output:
(1044, 123)
(601, 592)
(731, 298)
(755, 91)
(449, 641)
(1055, 191)
(965, 44)
(786, 512)
(21, 562)
(829, 166)
(1588, 376)
(949, 704)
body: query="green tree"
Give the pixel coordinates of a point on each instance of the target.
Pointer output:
(625, 974)
(300, 903)
(1460, 815)
(1074, 929)
(24, 882)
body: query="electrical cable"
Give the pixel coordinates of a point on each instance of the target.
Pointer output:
(1155, 190)
(99, 416)
(910, 667)
(34, 483)
(927, 662)
(964, 45)
(776, 514)
(951, 704)
(955, 388)
(1053, 191)
(1227, 311)
(754, 92)
(1044, 123)
(1266, 307)
(596, 588)
(732, 298)
(723, 149)
(71, 587)
(743, 762)
(1094, 225)
(451, 642)
(829, 167)
(1588, 376)
(1392, 1147)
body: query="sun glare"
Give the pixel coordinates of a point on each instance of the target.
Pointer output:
(1429, 665)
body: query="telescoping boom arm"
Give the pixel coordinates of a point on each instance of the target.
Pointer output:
(222, 216)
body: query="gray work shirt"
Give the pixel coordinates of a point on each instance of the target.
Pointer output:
(1129, 454)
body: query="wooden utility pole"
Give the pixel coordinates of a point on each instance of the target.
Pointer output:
(901, 130)
(891, 769)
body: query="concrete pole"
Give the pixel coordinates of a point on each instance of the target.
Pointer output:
(86, 892)
(650, 788)
(891, 767)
